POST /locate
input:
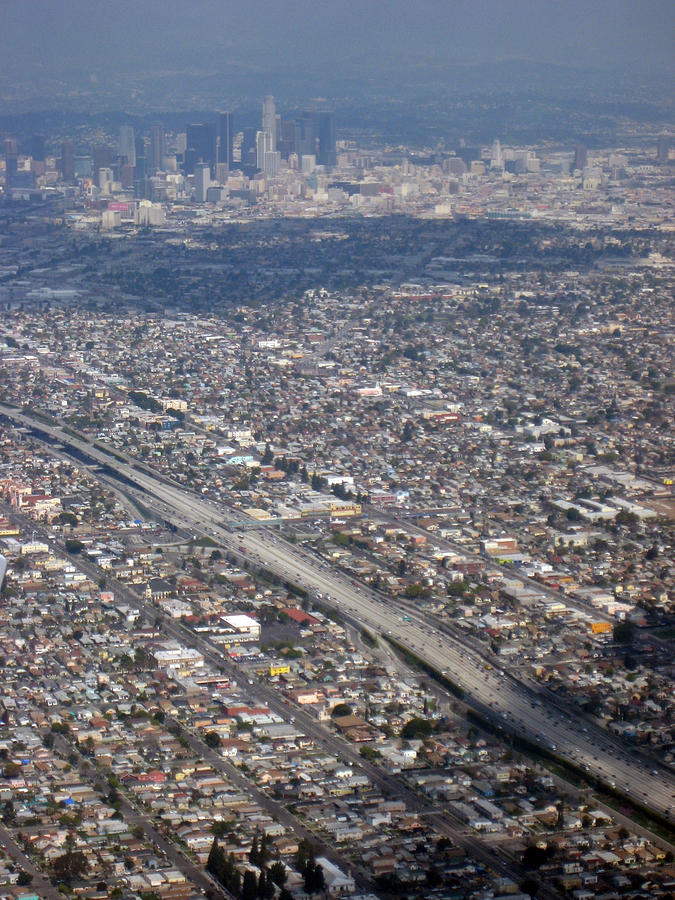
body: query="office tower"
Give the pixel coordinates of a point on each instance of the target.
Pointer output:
(37, 147)
(104, 179)
(325, 126)
(103, 159)
(141, 167)
(454, 165)
(263, 145)
(225, 138)
(157, 146)
(305, 134)
(11, 161)
(67, 161)
(127, 174)
(202, 181)
(663, 150)
(249, 147)
(496, 156)
(269, 121)
(201, 146)
(272, 163)
(127, 145)
(286, 138)
(222, 173)
(580, 158)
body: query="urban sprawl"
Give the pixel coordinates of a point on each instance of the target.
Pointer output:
(336, 516)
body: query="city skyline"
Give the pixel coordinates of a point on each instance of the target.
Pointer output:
(337, 458)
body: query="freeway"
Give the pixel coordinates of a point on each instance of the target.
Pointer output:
(503, 697)
(391, 786)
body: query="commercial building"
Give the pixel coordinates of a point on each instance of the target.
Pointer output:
(246, 628)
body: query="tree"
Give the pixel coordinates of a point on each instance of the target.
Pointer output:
(304, 854)
(24, 879)
(314, 879)
(457, 588)
(624, 632)
(529, 886)
(67, 518)
(253, 853)
(249, 888)
(434, 879)
(342, 709)
(369, 753)
(268, 456)
(8, 812)
(266, 889)
(74, 546)
(416, 727)
(215, 858)
(212, 739)
(278, 873)
(534, 856)
(72, 865)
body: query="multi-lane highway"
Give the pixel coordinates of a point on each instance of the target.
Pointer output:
(491, 691)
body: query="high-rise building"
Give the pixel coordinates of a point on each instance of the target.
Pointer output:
(127, 174)
(11, 161)
(269, 120)
(202, 181)
(263, 145)
(103, 158)
(580, 158)
(272, 163)
(201, 146)
(325, 127)
(249, 149)
(141, 167)
(286, 138)
(37, 147)
(105, 179)
(67, 161)
(225, 138)
(305, 134)
(126, 148)
(663, 150)
(157, 146)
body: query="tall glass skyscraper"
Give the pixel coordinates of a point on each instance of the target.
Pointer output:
(225, 138)
(325, 126)
(127, 145)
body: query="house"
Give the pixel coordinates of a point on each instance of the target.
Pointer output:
(336, 881)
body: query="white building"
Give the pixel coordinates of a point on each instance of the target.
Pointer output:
(336, 881)
(202, 181)
(246, 628)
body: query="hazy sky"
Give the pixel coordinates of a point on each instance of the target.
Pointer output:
(48, 37)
